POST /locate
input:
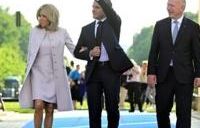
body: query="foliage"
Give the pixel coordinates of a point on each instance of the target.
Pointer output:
(11, 33)
(13, 45)
(24, 30)
(8, 30)
(11, 61)
(192, 16)
(141, 42)
(140, 48)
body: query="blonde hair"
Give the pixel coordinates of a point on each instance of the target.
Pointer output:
(52, 14)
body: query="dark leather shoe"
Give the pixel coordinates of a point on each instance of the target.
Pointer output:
(131, 110)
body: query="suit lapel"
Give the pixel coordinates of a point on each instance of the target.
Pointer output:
(168, 31)
(91, 33)
(107, 36)
(181, 31)
(92, 30)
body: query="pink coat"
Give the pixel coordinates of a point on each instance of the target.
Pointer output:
(63, 94)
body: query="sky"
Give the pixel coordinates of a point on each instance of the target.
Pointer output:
(74, 14)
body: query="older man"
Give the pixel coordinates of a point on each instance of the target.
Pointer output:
(174, 64)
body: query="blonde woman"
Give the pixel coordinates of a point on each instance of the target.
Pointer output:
(45, 82)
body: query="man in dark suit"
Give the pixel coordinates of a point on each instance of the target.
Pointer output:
(174, 64)
(99, 45)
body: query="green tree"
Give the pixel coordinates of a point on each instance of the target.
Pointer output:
(13, 44)
(192, 16)
(8, 30)
(11, 61)
(140, 48)
(24, 31)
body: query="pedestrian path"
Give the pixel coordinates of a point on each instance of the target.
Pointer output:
(13, 120)
(79, 119)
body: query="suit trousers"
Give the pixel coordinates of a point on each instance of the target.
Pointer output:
(134, 95)
(165, 94)
(103, 80)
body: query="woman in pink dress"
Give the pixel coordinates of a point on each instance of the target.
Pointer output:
(46, 86)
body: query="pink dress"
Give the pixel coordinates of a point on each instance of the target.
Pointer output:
(43, 85)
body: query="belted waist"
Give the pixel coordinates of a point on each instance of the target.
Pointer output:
(103, 63)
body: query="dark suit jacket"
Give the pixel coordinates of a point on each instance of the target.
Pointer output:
(185, 52)
(110, 39)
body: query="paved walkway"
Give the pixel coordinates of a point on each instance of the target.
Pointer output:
(13, 119)
(16, 120)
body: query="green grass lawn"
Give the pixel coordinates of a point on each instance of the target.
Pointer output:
(147, 108)
(14, 106)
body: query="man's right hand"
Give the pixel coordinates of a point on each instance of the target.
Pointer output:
(151, 80)
(95, 52)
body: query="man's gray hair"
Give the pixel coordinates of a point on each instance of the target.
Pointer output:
(52, 14)
(184, 3)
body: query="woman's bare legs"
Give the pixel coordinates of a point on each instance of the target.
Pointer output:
(38, 115)
(49, 110)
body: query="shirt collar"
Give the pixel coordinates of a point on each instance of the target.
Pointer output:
(179, 19)
(102, 20)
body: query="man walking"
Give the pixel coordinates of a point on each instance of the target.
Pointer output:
(174, 64)
(99, 45)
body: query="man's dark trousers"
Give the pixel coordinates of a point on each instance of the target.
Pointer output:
(167, 91)
(103, 79)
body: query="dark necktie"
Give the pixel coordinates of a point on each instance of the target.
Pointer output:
(98, 36)
(99, 33)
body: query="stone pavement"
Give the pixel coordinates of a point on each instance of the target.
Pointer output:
(13, 119)
(16, 120)
(195, 119)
